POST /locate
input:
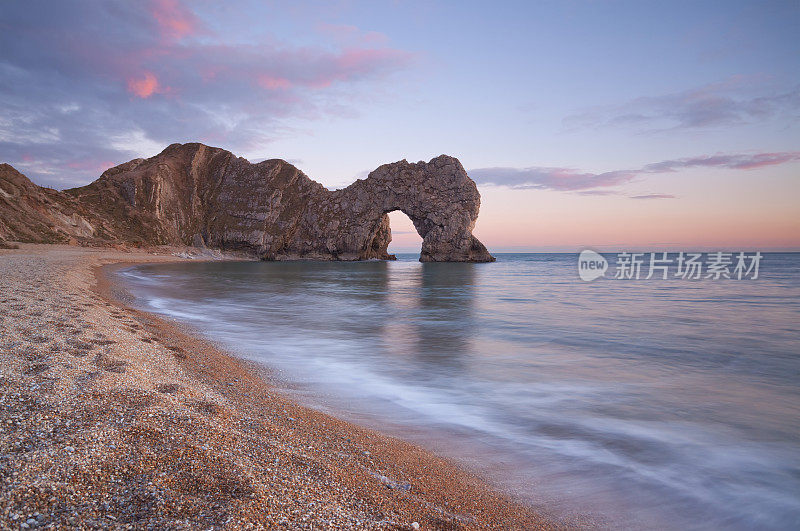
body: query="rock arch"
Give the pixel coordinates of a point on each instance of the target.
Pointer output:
(353, 223)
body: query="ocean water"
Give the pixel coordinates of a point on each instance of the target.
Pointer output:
(663, 404)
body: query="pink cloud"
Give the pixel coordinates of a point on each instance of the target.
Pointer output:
(143, 87)
(221, 88)
(567, 179)
(160, 60)
(545, 178)
(209, 72)
(174, 19)
(273, 83)
(352, 64)
(737, 161)
(767, 159)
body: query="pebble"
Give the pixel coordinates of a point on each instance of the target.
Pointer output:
(85, 405)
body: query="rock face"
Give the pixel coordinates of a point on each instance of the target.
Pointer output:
(30, 213)
(192, 194)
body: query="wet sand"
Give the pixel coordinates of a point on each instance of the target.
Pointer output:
(114, 418)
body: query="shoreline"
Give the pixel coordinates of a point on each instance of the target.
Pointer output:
(264, 460)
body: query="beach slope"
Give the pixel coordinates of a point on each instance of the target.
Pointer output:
(113, 418)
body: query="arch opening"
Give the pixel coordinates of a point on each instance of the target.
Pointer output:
(405, 238)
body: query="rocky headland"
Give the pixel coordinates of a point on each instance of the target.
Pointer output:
(192, 194)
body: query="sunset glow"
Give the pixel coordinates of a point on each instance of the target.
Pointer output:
(600, 147)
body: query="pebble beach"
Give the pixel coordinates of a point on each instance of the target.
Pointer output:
(113, 418)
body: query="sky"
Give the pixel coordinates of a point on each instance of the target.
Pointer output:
(585, 123)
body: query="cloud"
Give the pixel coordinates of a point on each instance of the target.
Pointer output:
(653, 196)
(546, 178)
(143, 87)
(273, 83)
(598, 192)
(586, 183)
(731, 162)
(135, 140)
(76, 75)
(174, 19)
(720, 104)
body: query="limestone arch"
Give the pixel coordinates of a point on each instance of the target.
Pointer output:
(438, 197)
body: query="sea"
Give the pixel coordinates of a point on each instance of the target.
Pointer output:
(617, 403)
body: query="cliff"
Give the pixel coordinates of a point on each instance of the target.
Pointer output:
(192, 194)
(30, 213)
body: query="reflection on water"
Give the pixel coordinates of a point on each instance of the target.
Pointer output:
(659, 404)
